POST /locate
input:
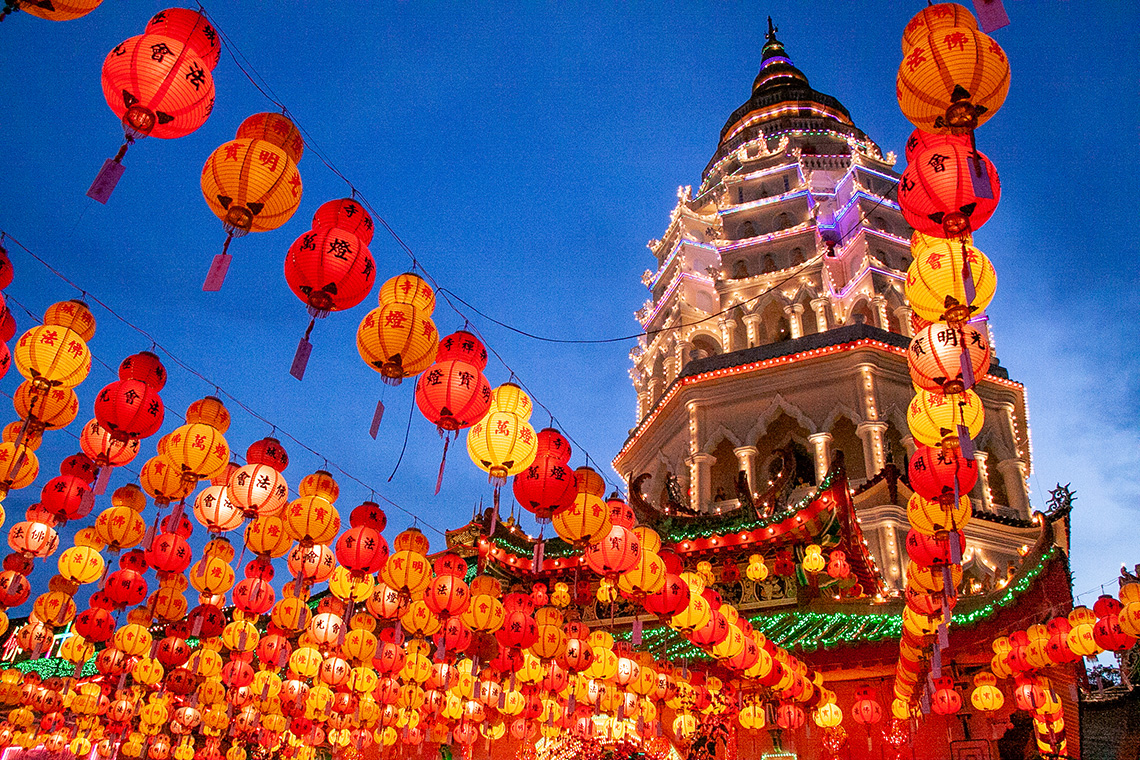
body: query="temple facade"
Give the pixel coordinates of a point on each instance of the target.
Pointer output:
(776, 323)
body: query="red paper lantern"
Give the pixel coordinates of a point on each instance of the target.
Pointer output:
(66, 497)
(362, 550)
(329, 269)
(615, 553)
(938, 197)
(928, 551)
(549, 484)
(190, 27)
(448, 595)
(158, 86)
(934, 469)
(946, 701)
(453, 394)
(169, 553)
(129, 409)
(671, 599)
(920, 141)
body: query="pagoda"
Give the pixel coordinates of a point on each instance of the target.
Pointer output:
(772, 390)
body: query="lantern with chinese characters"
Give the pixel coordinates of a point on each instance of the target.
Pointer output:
(159, 84)
(130, 407)
(251, 183)
(548, 484)
(453, 393)
(53, 356)
(503, 443)
(329, 268)
(947, 359)
(946, 700)
(952, 78)
(106, 451)
(986, 696)
(935, 419)
(948, 191)
(936, 282)
(937, 473)
(398, 339)
(587, 516)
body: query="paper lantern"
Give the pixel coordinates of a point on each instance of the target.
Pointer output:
(932, 517)
(933, 18)
(586, 518)
(937, 352)
(362, 549)
(51, 356)
(311, 520)
(397, 340)
(920, 141)
(934, 418)
(163, 481)
(503, 443)
(952, 79)
(409, 573)
(213, 508)
(158, 86)
(549, 483)
(190, 27)
(935, 285)
(948, 191)
(453, 394)
(129, 409)
(45, 410)
(58, 10)
(199, 451)
(258, 489)
(104, 449)
(936, 473)
(329, 269)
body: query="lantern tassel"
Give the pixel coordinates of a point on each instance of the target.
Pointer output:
(378, 415)
(494, 517)
(442, 462)
(218, 268)
(301, 358)
(108, 177)
(100, 486)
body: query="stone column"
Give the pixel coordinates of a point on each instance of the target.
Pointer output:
(752, 325)
(867, 392)
(1013, 473)
(680, 358)
(700, 486)
(880, 305)
(984, 480)
(746, 461)
(795, 319)
(819, 306)
(902, 314)
(874, 452)
(821, 454)
(727, 335)
(654, 393)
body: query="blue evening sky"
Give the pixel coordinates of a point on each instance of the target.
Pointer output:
(527, 152)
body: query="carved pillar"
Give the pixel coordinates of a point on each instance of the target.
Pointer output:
(752, 325)
(902, 314)
(700, 486)
(984, 480)
(821, 454)
(795, 319)
(1013, 473)
(880, 304)
(819, 306)
(867, 392)
(654, 393)
(746, 461)
(874, 450)
(727, 335)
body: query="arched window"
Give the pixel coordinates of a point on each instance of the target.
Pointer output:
(704, 347)
(881, 224)
(862, 315)
(797, 255)
(747, 230)
(769, 264)
(783, 221)
(740, 270)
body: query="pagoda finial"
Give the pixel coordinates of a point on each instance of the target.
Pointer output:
(772, 29)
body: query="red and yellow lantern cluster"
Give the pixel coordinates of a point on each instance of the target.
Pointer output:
(952, 79)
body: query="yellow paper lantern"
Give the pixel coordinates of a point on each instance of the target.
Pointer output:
(52, 356)
(398, 340)
(503, 443)
(952, 79)
(932, 517)
(934, 285)
(934, 418)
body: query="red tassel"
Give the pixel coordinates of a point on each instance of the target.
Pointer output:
(443, 461)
